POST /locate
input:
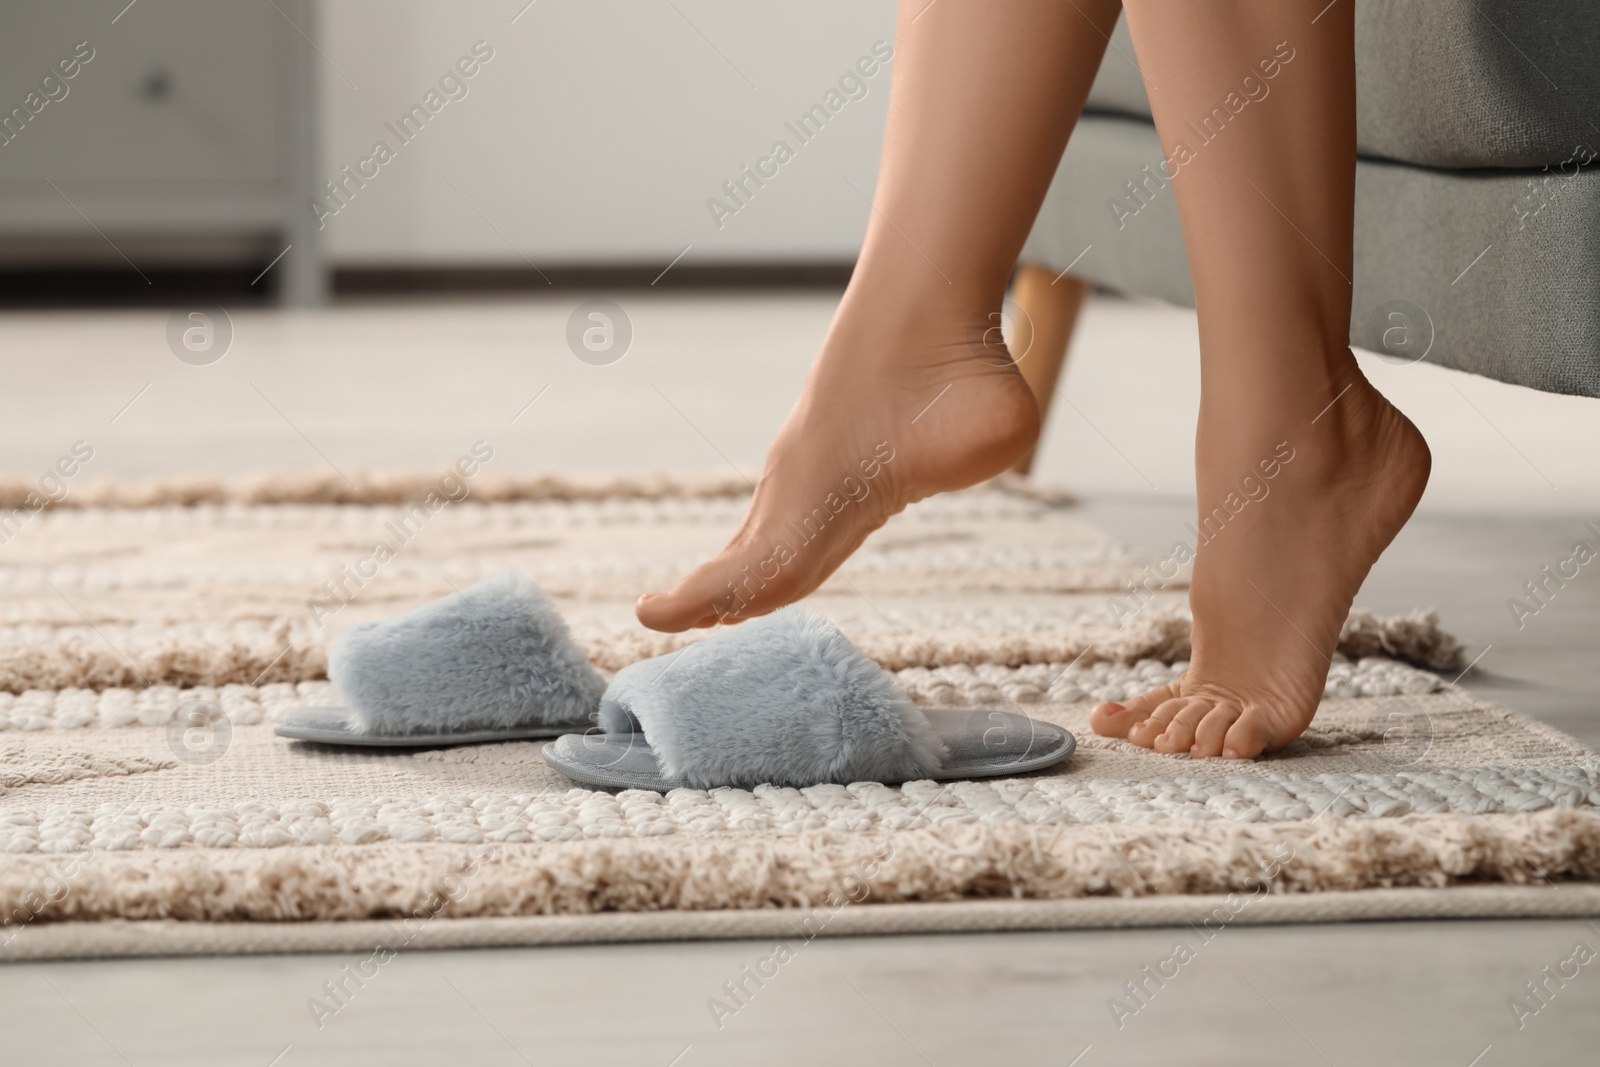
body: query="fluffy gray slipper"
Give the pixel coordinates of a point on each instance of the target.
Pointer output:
(494, 662)
(787, 700)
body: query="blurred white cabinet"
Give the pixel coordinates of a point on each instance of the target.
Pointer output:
(602, 129)
(187, 134)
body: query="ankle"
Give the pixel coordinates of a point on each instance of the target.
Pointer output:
(1286, 384)
(903, 291)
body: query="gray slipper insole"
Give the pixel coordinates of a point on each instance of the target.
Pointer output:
(978, 744)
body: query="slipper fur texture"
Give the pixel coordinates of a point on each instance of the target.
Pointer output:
(492, 656)
(785, 699)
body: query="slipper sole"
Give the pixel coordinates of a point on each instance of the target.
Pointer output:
(982, 744)
(332, 726)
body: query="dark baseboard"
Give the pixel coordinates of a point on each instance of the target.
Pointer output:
(42, 288)
(378, 281)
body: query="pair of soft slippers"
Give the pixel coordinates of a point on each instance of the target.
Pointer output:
(785, 700)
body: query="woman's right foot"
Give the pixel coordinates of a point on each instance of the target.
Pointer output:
(898, 406)
(1274, 577)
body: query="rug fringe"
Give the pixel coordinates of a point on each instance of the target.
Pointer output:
(807, 871)
(404, 486)
(373, 487)
(285, 650)
(1415, 637)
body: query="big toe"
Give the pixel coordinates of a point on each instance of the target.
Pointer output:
(721, 591)
(1110, 719)
(672, 612)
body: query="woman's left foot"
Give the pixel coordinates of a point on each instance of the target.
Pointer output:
(1297, 518)
(901, 403)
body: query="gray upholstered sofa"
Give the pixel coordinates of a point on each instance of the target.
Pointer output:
(1477, 189)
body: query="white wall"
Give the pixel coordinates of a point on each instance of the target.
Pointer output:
(600, 128)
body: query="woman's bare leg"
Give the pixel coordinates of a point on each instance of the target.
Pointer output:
(1305, 473)
(912, 394)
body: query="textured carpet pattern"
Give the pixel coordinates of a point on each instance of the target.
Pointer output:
(863, 807)
(958, 684)
(1364, 758)
(1036, 630)
(119, 619)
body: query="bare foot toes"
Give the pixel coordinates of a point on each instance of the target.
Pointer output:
(1110, 719)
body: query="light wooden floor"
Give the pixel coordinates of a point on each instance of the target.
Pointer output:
(705, 383)
(1407, 994)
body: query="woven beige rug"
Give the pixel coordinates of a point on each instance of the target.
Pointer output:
(124, 832)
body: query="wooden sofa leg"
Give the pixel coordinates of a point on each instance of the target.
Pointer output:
(1047, 311)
